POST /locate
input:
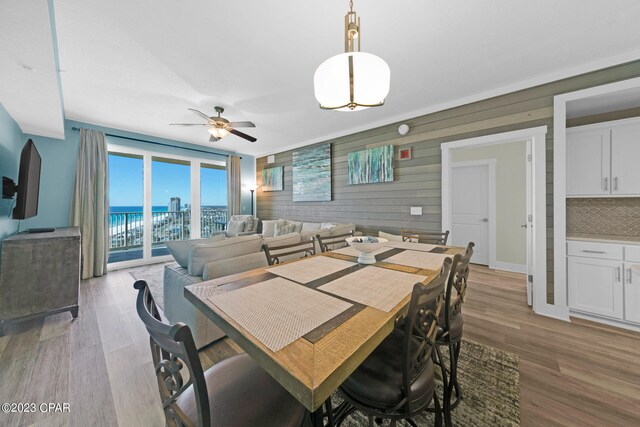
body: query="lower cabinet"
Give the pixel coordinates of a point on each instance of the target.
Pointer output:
(632, 293)
(596, 286)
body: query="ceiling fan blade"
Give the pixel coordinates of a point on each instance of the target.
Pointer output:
(213, 139)
(200, 113)
(242, 135)
(188, 124)
(241, 124)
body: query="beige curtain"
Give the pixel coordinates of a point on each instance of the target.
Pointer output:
(233, 186)
(90, 205)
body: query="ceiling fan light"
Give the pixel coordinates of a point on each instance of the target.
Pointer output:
(218, 132)
(371, 82)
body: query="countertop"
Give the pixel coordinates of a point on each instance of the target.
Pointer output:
(604, 238)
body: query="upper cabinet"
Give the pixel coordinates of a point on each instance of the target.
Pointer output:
(625, 160)
(602, 159)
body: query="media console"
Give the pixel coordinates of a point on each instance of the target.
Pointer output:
(39, 275)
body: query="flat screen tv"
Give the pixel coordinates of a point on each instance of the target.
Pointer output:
(28, 188)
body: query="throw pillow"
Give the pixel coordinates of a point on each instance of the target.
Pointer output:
(235, 227)
(281, 229)
(269, 227)
(297, 225)
(180, 248)
(310, 226)
(328, 225)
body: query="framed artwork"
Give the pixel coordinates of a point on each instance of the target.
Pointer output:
(405, 154)
(371, 166)
(312, 174)
(273, 179)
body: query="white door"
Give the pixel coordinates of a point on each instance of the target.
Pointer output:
(595, 286)
(632, 293)
(588, 162)
(470, 209)
(625, 152)
(528, 225)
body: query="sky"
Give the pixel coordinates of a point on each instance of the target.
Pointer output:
(167, 180)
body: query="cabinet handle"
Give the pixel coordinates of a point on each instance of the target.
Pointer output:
(593, 252)
(615, 184)
(606, 183)
(629, 275)
(618, 274)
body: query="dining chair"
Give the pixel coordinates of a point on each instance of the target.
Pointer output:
(421, 236)
(329, 243)
(397, 381)
(276, 254)
(451, 321)
(235, 392)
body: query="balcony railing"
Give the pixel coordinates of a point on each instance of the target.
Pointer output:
(126, 229)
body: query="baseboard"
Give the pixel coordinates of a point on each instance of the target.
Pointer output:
(507, 266)
(611, 322)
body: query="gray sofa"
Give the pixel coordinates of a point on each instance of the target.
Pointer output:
(240, 225)
(206, 259)
(200, 260)
(306, 229)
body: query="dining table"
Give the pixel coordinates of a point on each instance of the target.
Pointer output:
(311, 322)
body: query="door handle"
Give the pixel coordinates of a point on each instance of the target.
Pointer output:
(484, 220)
(524, 226)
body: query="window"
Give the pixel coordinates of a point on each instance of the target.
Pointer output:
(156, 197)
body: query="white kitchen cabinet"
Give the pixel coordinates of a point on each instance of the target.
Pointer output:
(632, 293)
(625, 159)
(602, 159)
(595, 286)
(588, 162)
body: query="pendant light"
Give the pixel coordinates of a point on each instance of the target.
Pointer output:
(352, 80)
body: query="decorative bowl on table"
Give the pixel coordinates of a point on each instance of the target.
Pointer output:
(366, 245)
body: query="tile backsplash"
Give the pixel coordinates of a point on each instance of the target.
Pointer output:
(604, 216)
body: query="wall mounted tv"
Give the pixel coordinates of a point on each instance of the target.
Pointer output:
(28, 187)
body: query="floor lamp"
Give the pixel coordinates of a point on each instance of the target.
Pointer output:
(252, 188)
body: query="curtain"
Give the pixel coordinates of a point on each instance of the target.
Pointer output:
(233, 186)
(90, 205)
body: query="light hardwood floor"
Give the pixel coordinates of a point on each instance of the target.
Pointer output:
(579, 373)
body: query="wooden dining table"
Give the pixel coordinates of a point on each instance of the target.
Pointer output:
(313, 365)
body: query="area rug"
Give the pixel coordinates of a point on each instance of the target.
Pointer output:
(154, 275)
(490, 383)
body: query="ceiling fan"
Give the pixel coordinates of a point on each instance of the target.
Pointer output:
(219, 127)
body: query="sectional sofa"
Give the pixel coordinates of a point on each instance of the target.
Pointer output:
(200, 260)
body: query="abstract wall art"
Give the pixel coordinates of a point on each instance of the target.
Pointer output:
(273, 179)
(312, 174)
(371, 166)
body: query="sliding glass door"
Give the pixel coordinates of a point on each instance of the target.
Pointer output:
(126, 202)
(213, 198)
(170, 202)
(155, 198)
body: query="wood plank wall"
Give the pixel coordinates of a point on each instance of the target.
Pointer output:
(385, 207)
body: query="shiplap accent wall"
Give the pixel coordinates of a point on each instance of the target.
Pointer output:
(386, 206)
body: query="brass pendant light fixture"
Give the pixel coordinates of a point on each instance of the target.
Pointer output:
(352, 80)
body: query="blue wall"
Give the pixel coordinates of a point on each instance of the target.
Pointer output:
(11, 142)
(59, 162)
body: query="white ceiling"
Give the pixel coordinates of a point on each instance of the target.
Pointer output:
(138, 65)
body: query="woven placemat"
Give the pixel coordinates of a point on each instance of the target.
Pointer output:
(376, 287)
(278, 312)
(349, 251)
(308, 270)
(418, 259)
(424, 247)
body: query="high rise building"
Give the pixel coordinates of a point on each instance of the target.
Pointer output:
(174, 204)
